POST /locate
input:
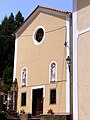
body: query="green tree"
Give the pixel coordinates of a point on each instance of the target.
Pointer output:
(7, 43)
(7, 73)
(18, 19)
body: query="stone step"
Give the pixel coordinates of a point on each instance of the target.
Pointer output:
(13, 113)
(12, 119)
(33, 118)
(12, 116)
(55, 117)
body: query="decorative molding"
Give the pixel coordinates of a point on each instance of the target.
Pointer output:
(34, 40)
(15, 56)
(75, 79)
(26, 75)
(54, 12)
(50, 70)
(38, 87)
(67, 68)
(84, 31)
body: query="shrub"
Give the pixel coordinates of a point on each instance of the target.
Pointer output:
(2, 115)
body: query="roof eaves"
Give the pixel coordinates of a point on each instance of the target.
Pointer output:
(43, 7)
(57, 10)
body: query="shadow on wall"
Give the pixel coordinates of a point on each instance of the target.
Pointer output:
(80, 4)
(83, 3)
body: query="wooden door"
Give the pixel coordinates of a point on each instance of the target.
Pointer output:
(37, 102)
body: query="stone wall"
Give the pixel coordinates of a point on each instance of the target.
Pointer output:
(55, 117)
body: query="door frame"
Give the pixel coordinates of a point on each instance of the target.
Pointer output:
(35, 88)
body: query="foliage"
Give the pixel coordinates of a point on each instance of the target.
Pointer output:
(18, 19)
(6, 87)
(2, 115)
(7, 42)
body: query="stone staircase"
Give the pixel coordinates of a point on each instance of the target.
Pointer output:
(55, 117)
(34, 118)
(51, 117)
(14, 116)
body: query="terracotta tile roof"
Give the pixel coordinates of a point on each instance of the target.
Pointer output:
(54, 9)
(42, 7)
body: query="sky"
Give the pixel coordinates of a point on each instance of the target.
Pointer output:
(27, 6)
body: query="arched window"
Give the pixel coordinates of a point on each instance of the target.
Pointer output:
(23, 77)
(53, 71)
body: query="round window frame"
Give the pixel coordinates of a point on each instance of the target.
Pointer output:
(34, 34)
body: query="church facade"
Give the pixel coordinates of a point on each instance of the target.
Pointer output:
(42, 46)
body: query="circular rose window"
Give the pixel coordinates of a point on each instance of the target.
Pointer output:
(38, 35)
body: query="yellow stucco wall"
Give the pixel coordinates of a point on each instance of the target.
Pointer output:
(83, 14)
(84, 76)
(83, 60)
(38, 58)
